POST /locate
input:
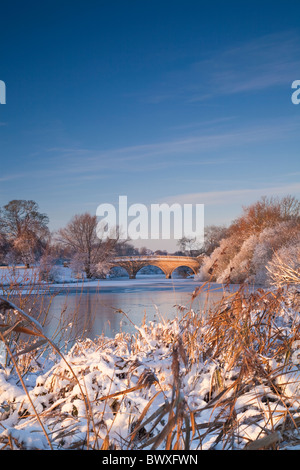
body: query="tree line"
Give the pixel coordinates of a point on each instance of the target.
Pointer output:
(25, 238)
(239, 252)
(267, 232)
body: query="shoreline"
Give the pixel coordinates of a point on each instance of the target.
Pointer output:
(120, 285)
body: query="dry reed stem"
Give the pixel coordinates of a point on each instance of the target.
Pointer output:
(38, 331)
(26, 391)
(282, 274)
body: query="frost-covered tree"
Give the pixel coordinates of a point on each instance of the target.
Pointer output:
(213, 234)
(266, 212)
(239, 267)
(25, 229)
(270, 240)
(90, 253)
(48, 270)
(251, 241)
(214, 266)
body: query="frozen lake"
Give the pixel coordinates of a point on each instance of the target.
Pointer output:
(99, 304)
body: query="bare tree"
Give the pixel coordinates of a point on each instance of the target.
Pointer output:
(25, 228)
(144, 251)
(213, 234)
(4, 247)
(187, 244)
(90, 252)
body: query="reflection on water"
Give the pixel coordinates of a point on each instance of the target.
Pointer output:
(100, 307)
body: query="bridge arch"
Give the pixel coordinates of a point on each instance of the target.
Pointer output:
(152, 264)
(116, 267)
(183, 266)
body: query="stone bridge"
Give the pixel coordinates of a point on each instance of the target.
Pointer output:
(132, 264)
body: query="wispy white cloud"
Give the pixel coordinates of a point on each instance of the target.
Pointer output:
(224, 197)
(201, 143)
(204, 124)
(203, 147)
(263, 63)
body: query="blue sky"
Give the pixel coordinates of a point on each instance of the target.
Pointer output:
(170, 101)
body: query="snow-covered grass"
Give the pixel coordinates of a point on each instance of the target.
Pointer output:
(225, 378)
(20, 275)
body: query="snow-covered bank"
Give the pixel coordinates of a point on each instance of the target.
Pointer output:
(220, 382)
(20, 275)
(64, 278)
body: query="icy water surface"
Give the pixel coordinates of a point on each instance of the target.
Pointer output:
(99, 306)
